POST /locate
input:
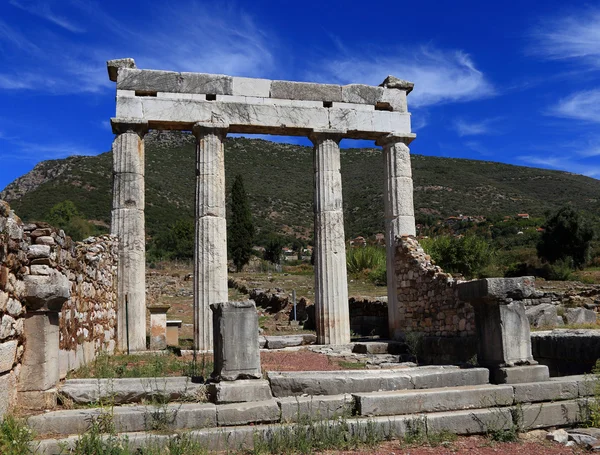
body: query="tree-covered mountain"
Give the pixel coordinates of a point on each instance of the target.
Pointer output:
(279, 178)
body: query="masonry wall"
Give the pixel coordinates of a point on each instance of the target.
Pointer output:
(42, 268)
(428, 297)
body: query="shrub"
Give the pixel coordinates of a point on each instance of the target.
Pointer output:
(15, 437)
(364, 259)
(467, 255)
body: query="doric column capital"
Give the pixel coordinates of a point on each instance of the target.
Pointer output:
(392, 138)
(202, 128)
(129, 125)
(319, 135)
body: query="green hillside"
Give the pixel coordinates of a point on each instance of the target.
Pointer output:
(279, 179)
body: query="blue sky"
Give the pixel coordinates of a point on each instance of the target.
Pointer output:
(512, 81)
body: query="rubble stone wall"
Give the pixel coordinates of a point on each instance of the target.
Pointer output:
(427, 296)
(42, 268)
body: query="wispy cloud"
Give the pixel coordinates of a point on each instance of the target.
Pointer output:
(21, 150)
(562, 163)
(582, 105)
(441, 76)
(575, 36)
(43, 10)
(476, 127)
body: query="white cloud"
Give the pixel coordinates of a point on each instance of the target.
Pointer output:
(42, 9)
(474, 128)
(582, 105)
(575, 36)
(562, 163)
(440, 76)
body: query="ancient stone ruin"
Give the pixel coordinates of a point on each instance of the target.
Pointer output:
(211, 106)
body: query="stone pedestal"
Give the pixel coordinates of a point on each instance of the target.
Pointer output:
(40, 366)
(210, 259)
(236, 351)
(128, 225)
(399, 215)
(332, 316)
(503, 334)
(173, 328)
(158, 326)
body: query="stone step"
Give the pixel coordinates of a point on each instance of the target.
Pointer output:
(463, 422)
(130, 390)
(295, 383)
(432, 400)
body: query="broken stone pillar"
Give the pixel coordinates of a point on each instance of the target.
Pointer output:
(236, 351)
(399, 215)
(332, 316)
(44, 296)
(503, 334)
(128, 225)
(158, 326)
(237, 374)
(210, 258)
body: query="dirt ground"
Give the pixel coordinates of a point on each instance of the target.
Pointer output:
(472, 445)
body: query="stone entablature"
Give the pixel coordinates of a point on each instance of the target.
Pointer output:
(57, 306)
(173, 100)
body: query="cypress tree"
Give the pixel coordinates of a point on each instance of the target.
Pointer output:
(241, 229)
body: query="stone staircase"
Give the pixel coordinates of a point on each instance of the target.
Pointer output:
(391, 402)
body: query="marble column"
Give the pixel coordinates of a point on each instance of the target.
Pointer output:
(128, 224)
(331, 282)
(210, 258)
(399, 216)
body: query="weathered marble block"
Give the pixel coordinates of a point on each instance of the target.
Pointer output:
(158, 326)
(504, 338)
(235, 338)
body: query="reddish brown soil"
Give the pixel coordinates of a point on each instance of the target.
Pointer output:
(298, 361)
(472, 445)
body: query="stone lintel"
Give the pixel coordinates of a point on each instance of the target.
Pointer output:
(158, 309)
(114, 65)
(496, 290)
(204, 127)
(321, 134)
(400, 84)
(405, 138)
(129, 125)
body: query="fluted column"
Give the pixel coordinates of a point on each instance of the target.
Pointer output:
(331, 282)
(128, 224)
(210, 258)
(399, 216)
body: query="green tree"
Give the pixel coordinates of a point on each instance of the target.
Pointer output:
(65, 216)
(177, 242)
(273, 249)
(567, 236)
(240, 235)
(467, 255)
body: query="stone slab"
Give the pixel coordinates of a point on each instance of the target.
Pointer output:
(544, 415)
(170, 81)
(245, 413)
(8, 384)
(478, 421)
(270, 118)
(127, 418)
(305, 91)
(129, 390)
(519, 374)
(239, 391)
(532, 392)
(302, 409)
(287, 341)
(8, 353)
(497, 288)
(37, 399)
(293, 383)
(434, 400)
(379, 347)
